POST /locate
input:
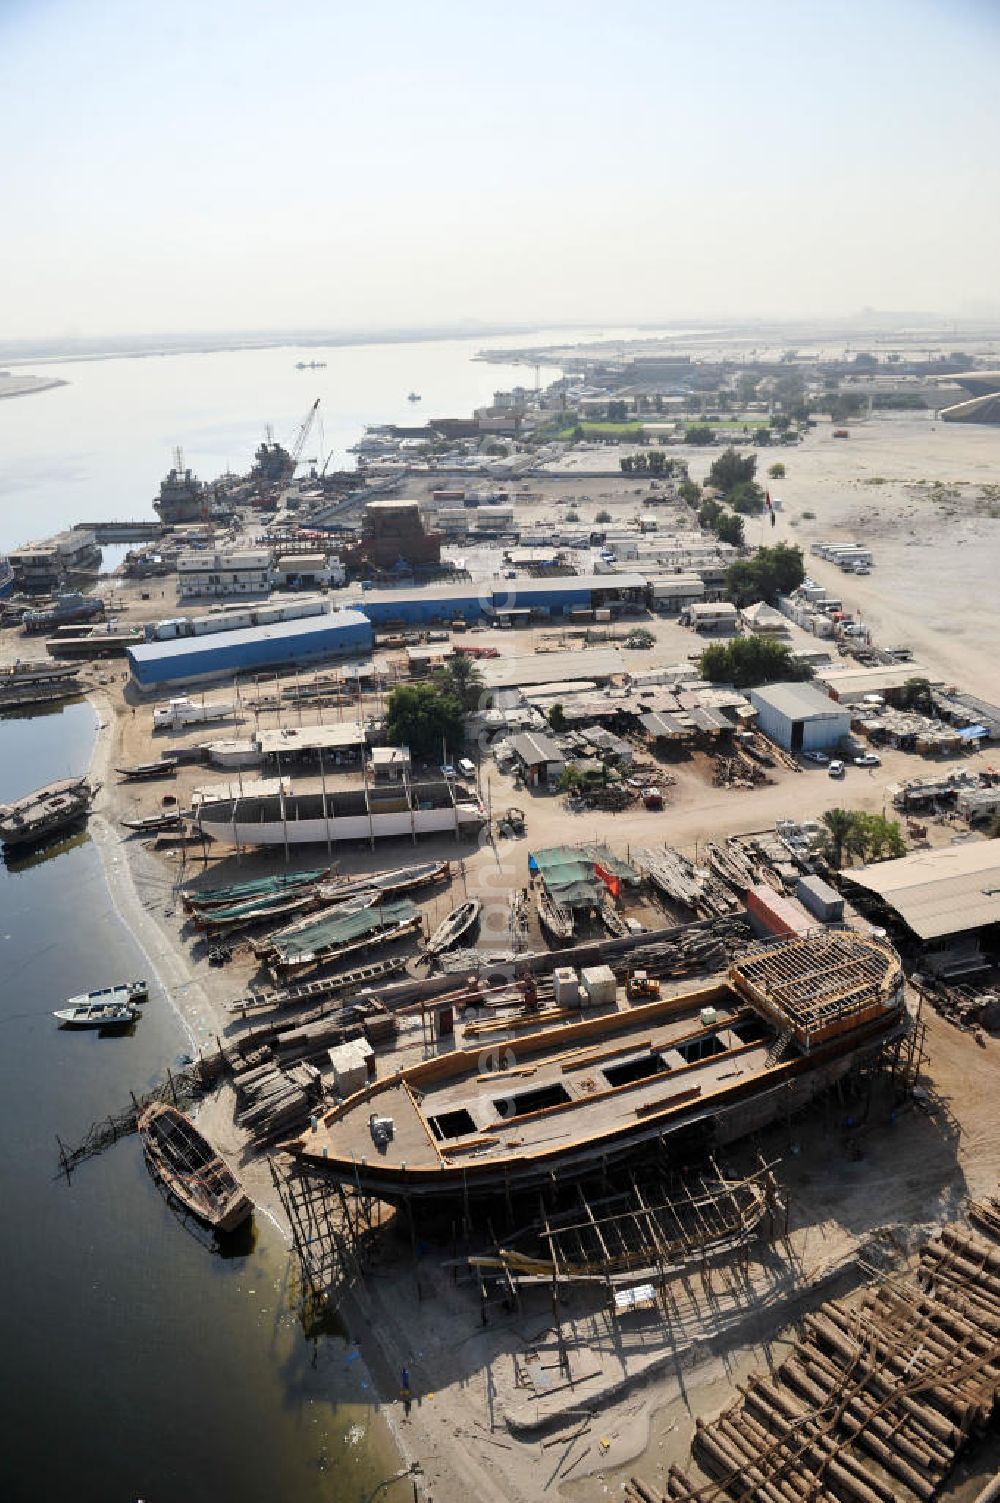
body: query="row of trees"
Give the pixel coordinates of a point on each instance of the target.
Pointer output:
(852, 832)
(650, 462)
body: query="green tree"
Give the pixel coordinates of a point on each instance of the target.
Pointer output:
(747, 498)
(770, 573)
(916, 695)
(424, 718)
(729, 529)
(603, 516)
(557, 718)
(838, 825)
(461, 677)
(732, 469)
(689, 492)
(776, 470)
(700, 434)
(746, 662)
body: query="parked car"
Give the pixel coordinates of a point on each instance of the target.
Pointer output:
(466, 767)
(448, 769)
(815, 756)
(869, 759)
(836, 769)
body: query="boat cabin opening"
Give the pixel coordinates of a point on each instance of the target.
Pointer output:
(639, 1067)
(452, 1124)
(538, 1100)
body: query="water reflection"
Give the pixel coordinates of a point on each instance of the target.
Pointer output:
(22, 858)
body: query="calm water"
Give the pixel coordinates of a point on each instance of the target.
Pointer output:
(98, 448)
(137, 1363)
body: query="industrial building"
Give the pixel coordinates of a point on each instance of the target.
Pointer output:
(307, 571)
(225, 654)
(474, 601)
(244, 572)
(940, 896)
(798, 717)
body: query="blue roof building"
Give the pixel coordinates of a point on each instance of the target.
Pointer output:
(281, 644)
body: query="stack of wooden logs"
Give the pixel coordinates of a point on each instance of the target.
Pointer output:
(699, 950)
(874, 1404)
(272, 1102)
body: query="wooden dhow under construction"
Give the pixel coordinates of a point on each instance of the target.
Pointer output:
(790, 1019)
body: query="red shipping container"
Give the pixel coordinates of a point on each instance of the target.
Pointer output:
(774, 913)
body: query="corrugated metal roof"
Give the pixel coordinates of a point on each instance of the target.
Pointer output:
(534, 747)
(796, 701)
(305, 626)
(937, 893)
(663, 725)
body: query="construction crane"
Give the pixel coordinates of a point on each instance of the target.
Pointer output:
(303, 434)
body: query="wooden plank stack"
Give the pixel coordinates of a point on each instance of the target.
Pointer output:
(874, 1404)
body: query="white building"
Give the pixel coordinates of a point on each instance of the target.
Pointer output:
(217, 574)
(308, 571)
(798, 717)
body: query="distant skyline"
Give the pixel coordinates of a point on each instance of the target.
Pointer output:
(233, 165)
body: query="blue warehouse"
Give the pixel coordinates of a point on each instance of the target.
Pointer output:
(486, 598)
(185, 660)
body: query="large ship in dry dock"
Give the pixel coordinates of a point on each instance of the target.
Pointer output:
(790, 1019)
(46, 811)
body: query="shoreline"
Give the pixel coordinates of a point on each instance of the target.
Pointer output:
(202, 1024)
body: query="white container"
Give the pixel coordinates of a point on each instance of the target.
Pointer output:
(709, 1017)
(566, 986)
(353, 1066)
(599, 985)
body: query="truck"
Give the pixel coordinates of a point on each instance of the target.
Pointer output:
(183, 711)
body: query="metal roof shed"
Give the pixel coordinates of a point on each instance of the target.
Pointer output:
(798, 717)
(938, 893)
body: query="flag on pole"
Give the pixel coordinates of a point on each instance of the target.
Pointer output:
(767, 501)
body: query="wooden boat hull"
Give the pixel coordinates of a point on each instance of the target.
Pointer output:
(556, 921)
(185, 1162)
(153, 824)
(592, 1092)
(457, 924)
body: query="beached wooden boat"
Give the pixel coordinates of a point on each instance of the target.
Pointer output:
(259, 911)
(346, 930)
(459, 921)
(259, 887)
(185, 1162)
(396, 880)
(163, 767)
(788, 1022)
(149, 824)
(554, 918)
(97, 1015)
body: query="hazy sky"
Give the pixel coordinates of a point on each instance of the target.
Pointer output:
(224, 164)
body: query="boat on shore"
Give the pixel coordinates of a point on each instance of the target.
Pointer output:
(790, 1020)
(553, 917)
(46, 811)
(188, 1166)
(108, 1014)
(459, 921)
(149, 824)
(164, 767)
(260, 887)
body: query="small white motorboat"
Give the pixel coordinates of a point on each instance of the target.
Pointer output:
(97, 1015)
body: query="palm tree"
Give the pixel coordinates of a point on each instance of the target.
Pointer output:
(839, 823)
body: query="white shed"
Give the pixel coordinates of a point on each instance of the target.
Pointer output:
(798, 717)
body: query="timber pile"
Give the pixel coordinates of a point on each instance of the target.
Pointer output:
(613, 797)
(737, 771)
(697, 950)
(873, 1405)
(679, 880)
(961, 1005)
(272, 1102)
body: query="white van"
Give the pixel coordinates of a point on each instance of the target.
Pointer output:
(466, 768)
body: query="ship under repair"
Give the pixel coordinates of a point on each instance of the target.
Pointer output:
(789, 1020)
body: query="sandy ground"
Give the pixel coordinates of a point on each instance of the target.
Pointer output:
(937, 597)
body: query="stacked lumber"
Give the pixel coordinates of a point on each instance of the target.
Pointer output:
(271, 1102)
(874, 1404)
